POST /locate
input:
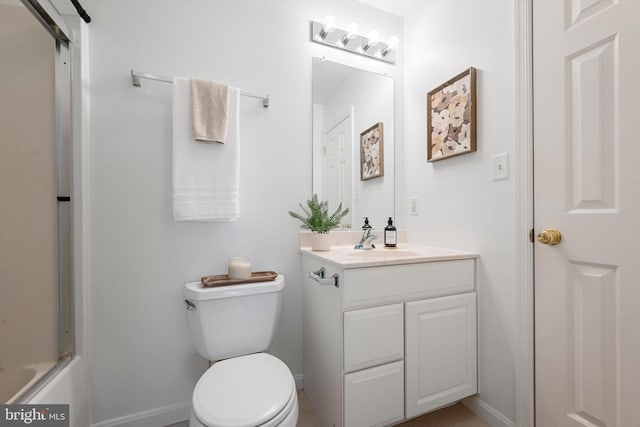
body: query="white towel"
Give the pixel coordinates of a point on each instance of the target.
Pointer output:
(205, 176)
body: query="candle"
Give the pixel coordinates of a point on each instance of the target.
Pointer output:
(239, 268)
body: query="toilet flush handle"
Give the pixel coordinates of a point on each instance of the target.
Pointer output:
(318, 276)
(190, 305)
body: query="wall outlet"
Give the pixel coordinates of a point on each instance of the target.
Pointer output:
(413, 206)
(500, 166)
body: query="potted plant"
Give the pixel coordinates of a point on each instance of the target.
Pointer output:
(316, 218)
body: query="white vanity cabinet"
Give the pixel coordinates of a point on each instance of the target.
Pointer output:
(390, 342)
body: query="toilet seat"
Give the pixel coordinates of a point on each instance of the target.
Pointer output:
(247, 391)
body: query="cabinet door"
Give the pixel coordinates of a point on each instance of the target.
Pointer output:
(440, 352)
(375, 396)
(373, 336)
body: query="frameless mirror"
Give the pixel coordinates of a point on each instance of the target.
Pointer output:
(353, 142)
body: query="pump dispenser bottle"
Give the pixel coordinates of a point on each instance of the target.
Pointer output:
(366, 223)
(390, 235)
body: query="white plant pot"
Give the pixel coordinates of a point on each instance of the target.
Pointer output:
(321, 241)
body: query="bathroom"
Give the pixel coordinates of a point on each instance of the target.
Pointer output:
(135, 364)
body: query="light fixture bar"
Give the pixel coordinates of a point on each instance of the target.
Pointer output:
(357, 44)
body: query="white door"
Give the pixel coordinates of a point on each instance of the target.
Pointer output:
(337, 166)
(440, 352)
(587, 185)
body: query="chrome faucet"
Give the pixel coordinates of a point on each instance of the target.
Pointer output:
(366, 242)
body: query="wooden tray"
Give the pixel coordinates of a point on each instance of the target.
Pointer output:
(223, 279)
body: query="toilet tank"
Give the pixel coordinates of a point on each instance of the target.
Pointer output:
(230, 321)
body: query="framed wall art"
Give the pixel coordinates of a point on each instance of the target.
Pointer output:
(451, 117)
(372, 152)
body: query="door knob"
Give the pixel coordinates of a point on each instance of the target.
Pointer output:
(549, 237)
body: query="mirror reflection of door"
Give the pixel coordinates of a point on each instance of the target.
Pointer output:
(337, 166)
(346, 102)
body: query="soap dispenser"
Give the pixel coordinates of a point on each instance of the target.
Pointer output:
(390, 235)
(366, 224)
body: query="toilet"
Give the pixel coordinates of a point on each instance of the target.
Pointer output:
(232, 326)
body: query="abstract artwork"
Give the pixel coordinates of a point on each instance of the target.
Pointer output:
(372, 152)
(451, 117)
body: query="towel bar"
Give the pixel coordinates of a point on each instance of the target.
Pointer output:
(137, 75)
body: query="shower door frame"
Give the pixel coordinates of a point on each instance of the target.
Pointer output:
(49, 18)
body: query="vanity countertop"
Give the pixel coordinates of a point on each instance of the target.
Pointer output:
(405, 253)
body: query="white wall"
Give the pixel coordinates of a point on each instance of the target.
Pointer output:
(144, 365)
(460, 206)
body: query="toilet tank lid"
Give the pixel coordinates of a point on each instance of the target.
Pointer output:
(195, 291)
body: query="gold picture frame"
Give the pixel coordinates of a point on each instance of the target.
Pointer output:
(372, 152)
(451, 117)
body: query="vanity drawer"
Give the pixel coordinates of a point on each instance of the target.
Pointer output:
(375, 396)
(373, 336)
(389, 284)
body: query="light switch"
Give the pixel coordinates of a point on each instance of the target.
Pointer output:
(500, 166)
(413, 206)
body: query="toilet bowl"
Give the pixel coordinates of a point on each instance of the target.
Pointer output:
(247, 391)
(245, 387)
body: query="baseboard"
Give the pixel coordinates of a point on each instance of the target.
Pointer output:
(485, 411)
(299, 381)
(162, 416)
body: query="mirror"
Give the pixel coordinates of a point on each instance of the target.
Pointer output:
(353, 142)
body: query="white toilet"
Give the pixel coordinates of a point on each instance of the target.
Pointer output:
(244, 388)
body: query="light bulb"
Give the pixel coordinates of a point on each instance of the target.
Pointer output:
(349, 34)
(329, 23)
(372, 40)
(374, 37)
(392, 43)
(351, 30)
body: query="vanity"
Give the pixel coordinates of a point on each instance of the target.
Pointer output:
(389, 334)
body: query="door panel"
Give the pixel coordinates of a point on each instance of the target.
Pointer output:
(28, 219)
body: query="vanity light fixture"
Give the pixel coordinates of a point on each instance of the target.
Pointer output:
(328, 34)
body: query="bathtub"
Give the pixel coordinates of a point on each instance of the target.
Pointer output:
(14, 381)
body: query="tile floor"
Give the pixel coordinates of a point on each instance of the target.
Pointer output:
(453, 416)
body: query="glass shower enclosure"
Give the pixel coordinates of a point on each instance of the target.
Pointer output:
(36, 322)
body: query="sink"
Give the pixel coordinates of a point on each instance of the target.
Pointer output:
(383, 253)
